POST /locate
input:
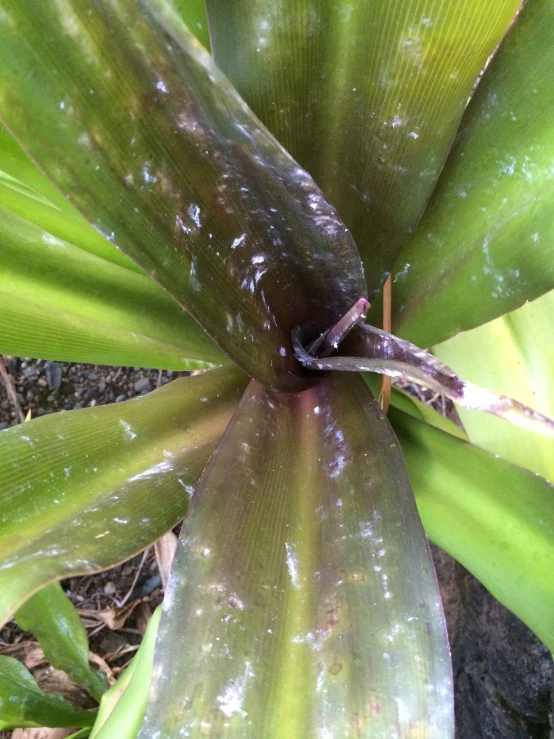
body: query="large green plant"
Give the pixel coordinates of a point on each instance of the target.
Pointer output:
(303, 601)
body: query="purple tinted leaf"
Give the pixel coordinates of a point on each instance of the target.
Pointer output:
(302, 601)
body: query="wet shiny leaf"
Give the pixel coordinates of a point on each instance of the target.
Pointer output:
(366, 95)
(486, 242)
(133, 121)
(60, 301)
(122, 708)
(104, 482)
(52, 618)
(494, 517)
(22, 702)
(302, 601)
(516, 355)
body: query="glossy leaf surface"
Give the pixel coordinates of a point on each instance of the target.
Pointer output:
(59, 301)
(133, 121)
(122, 709)
(494, 517)
(366, 95)
(52, 618)
(105, 482)
(516, 355)
(486, 242)
(303, 602)
(22, 702)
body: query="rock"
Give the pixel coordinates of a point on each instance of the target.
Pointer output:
(503, 673)
(109, 588)
(53, 373)
(120, 398)
(143, 385)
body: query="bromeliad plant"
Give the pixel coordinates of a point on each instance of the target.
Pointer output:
(302, 601)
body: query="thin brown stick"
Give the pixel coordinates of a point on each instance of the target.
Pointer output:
(131, 589)
(386, 383)
(10, 389)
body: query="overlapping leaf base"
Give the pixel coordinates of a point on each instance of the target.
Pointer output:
(303, 601)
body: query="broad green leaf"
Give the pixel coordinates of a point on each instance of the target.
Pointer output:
(104, 482)
(58, 301)
(366, 95)
(122, 709)
(303, 602)
(193, 12)
(494, 517)
(52, 618)
(16, 166)
(17, 198)
(486, 242)
(24, 190)
(22, 702)
(132, 120)
(516, 356)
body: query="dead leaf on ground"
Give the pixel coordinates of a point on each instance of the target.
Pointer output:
(51, 680)
(28, 652)
(42, 733)
(143, 614)
(115, 617)
(102, 665)
(164, 549)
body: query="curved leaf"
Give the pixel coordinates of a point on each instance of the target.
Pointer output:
(303, 602)
(102, 473)
(366, 95)
(486, 243)
(494, 517)
(368, 349)
(16, 165)
(58, 301)
(134, 122)
(516, 355)
(22, 702)
(21, 200)
(122, 709)
(52, 618)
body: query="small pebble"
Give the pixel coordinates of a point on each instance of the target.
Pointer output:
(143, 385)
(53, 373)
